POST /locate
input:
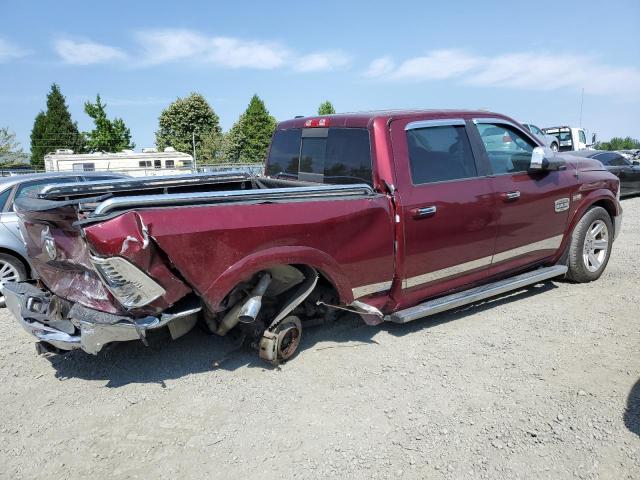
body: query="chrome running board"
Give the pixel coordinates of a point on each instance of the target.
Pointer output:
(466, 297)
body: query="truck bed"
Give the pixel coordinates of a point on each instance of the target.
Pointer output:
(98, 199)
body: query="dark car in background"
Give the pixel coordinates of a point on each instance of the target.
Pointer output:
(14, 266)
(628, 171)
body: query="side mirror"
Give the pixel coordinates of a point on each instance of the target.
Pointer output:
(542, 160)
(635, 163)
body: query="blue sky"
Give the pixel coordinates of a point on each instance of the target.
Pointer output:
(527, 61)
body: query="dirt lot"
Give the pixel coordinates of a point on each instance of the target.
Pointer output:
(543, 383)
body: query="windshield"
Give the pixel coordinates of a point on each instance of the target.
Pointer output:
(324, 155)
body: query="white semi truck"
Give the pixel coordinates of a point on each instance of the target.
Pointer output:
(570, 138)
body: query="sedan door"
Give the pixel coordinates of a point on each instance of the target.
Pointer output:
(532, 207)
(446, 206)
(622, 168)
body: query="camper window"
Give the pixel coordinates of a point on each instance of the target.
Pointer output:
(144, 163)
(84, 167)
(169, 164)
(157, 164)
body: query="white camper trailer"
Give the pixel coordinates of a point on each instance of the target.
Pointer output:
(149, 162)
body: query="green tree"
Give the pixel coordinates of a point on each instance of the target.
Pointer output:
(108, 135)
(249, 138)
(619, 143)
(54, 129)
(182, 119)
(8, 142)
(326, 108)
(212, 147)
(10, 151)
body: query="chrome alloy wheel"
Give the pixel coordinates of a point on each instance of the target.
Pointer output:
(596, 244)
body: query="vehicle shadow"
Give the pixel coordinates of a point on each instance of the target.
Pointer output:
(632, 412)
(197, 352)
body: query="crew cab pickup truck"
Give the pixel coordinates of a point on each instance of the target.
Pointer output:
(394, 215)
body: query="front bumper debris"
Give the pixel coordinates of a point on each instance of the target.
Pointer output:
(82, 328)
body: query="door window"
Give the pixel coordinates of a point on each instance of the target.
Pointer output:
(439, 154)
(583, 137)
(509, 150)
(4, 196)
(535, 130)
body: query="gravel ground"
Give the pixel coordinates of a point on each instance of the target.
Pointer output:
(542, 383)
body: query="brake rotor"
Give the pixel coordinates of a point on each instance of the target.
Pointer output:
(288, 335)
(280, 343)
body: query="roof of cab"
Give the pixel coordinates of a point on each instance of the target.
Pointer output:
(363, 119)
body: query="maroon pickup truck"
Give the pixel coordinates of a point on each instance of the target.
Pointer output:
(394, 215)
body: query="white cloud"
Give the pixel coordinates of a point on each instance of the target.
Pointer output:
(322, 61)
(10, 51)
(86, 53)
(525, 70)
(438, 65)
(162, 46)
(380, 66)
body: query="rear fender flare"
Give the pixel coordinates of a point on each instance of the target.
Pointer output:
(257, 261)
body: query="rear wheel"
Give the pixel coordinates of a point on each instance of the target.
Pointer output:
(590, 247)
(11, 270)
(554, 147)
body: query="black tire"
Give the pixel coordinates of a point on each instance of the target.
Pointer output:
(14, 266)
(586, 261)
(554, 147)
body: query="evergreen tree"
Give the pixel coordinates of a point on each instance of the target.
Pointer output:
(249, 138)
(108, 136)
(326, 108)
(184, 118)
(38, 147)
(54, 129)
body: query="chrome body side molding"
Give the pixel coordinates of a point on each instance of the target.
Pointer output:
(456, 300)
(371, 289)
(551, 243)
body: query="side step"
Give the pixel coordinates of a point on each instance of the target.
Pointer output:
(475, 294)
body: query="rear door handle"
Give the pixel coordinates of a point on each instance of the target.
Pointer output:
(511, 196)
(423, 212)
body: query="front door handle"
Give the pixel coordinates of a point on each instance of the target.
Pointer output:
(511, 196)
(423, 212)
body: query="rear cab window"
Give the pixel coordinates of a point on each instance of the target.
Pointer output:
(439, 153)
(324, 155)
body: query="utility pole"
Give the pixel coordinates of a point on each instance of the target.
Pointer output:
(193, 139)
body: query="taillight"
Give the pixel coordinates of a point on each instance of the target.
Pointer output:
(506, 138)
(132, 287)
(316, 122)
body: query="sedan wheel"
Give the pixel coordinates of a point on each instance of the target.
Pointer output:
(11, 270)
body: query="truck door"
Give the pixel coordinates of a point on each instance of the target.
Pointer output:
(445, 206)
(581, 140)
(532, 208)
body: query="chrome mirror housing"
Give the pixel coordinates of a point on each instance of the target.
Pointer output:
(537, 159)
(545, 159)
